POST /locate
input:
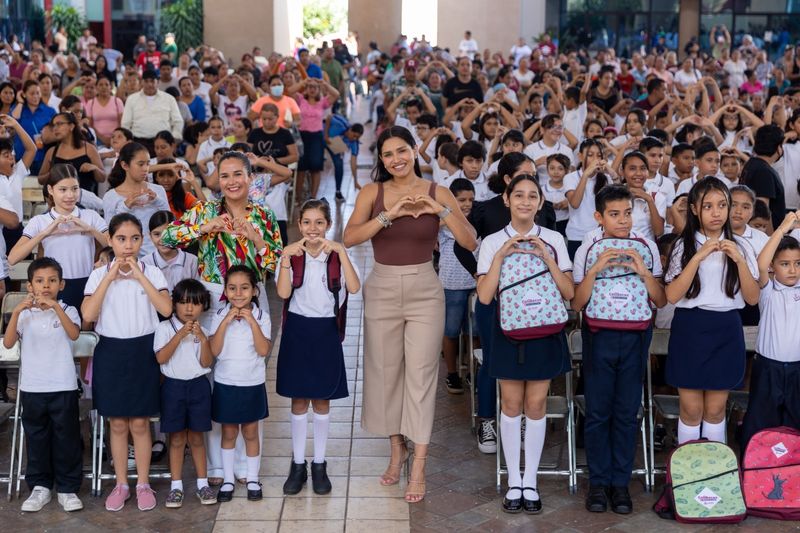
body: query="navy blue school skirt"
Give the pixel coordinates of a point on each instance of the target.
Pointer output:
(231, 404)
(126, 376)
(533, 360)
(311, 360)
(706, 350)
(73, 292)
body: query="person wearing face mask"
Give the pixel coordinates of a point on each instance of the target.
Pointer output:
(150, 111)
(759, 175)
(277, 98)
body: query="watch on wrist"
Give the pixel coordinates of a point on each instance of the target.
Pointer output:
(444, 213)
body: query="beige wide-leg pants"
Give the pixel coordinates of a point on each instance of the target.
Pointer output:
(403, 328)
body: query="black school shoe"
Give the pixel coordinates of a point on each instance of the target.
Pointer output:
(621, 500)
(319, 478)
(531, 506)
(225, 495)
(512, 506)
(298, 475)
(597, 499)
(254, 495)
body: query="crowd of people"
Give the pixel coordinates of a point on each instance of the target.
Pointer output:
(570, 165)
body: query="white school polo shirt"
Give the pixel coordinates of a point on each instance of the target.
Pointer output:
(757, 238)
(73, 248)
(238, 363)
(126, 311)
(712, 295)
(641, 213)
(581, 220)
(539, 149)
(313, 299)
(579, 261)
(778, 335)
(114, 204)
(46, 359)
(182, 266)
(662, 184)
(686, 185)
(556, 195)
(185, 361)
(492, 244)
(481, 185)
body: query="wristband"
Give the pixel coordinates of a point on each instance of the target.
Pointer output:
(444, 213)
(383, 219)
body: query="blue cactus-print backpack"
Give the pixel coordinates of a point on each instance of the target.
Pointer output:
(619, 298)
(530, 306)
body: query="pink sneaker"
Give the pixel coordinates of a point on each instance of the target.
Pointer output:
(145, 497)
(116, 500)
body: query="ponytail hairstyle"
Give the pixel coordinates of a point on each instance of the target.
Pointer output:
(320, 205)
(60, 172)
(126, 155)
(177, 192)
(697, 195)
(251, 275)
(525, 177)
(640, 115)
(634, 155)
(508, 166)
(600, 179)
(380, 174)
(119, 220)
(160, 218)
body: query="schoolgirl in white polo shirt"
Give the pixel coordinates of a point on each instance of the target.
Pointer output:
(240, 343)
(580, 188)
(67, 233)
(184, 353)
(46, 328)
(776, 368)
(124, 299)
(312, 372)
(710, 275)
(174, 263)
(649, 204)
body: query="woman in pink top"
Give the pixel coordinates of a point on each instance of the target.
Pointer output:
(104, 111)
(313, 97)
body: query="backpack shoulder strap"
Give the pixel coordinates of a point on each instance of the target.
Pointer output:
(298, 263)
(334, 267)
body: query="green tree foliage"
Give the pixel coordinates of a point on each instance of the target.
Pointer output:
(184, 18)
(71, 20)
(321, 17)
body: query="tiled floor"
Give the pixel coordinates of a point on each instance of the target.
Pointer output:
(461, 482)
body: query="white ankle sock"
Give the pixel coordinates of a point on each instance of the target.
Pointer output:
(716, 432)
(176, 484)
(535, 431)
(510, 435)
(228, 458)
(253, 466)
(202, 482)
(687, 432)
(299, 434)
(321, 425)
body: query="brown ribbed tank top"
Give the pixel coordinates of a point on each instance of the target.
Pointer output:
(409, 240)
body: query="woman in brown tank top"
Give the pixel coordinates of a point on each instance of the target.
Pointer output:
(403, 300)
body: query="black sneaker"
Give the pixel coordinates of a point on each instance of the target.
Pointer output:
(454, 384)
(339, 196)
(298, 475)
(487, 437)
(597, 499)
(621, 500)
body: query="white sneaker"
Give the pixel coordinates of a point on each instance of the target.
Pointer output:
(38, 499)
(70, 501)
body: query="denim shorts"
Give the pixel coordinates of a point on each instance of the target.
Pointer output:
(455, 312)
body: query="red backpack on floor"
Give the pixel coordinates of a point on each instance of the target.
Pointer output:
(334, 277)
(772, 474)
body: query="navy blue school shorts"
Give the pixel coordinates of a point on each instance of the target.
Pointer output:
(186, 404)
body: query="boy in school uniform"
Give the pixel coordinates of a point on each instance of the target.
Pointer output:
(653, 150)
(46, 328)
(775, 377)
(614, 359)
(471, 157)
